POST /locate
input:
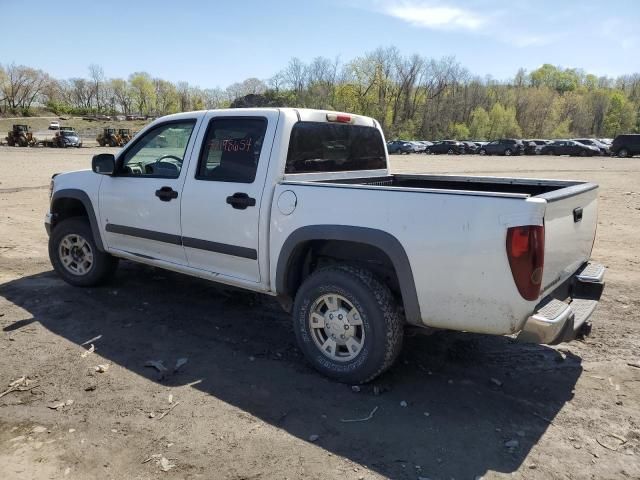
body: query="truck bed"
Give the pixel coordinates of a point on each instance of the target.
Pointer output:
(520, 187)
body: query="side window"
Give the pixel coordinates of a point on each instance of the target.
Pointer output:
(160, 152)
(231, 149)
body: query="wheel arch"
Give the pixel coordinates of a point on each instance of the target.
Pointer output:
(297, 248)
(72, 202)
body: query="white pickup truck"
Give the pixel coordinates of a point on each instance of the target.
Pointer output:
(301, 204)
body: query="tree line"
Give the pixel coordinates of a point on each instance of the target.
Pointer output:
(413, 97)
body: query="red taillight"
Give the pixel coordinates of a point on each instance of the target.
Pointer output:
(525, 250)
(338, 117)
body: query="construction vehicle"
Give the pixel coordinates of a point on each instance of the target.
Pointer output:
(108, 138)
(20, 136)
(125, 136)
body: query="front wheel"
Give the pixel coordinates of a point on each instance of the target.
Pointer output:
(75, 256)
(623, 153)
(347, 324)
(482, 151)
(508, 152)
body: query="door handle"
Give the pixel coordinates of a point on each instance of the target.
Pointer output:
(241, 201)
(166, 194)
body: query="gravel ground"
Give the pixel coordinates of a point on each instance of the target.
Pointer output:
(246, 406)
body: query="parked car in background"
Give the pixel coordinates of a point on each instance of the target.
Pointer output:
(469, 147)
(67, 137)
(533, 147)
(419, 146)
(426, 144)
(54, 125)
(452, 147)
(626, 145)
(504, 146)
(569, 147)
(606, 141)
(400, 146)
(604, 149)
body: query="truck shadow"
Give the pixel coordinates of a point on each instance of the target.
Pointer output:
(473, 403)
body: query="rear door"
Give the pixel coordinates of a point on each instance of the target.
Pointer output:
(223, 195)
(140, 205)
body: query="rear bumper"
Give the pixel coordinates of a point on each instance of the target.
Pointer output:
(562, 315)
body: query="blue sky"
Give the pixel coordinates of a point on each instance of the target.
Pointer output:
(217, 43)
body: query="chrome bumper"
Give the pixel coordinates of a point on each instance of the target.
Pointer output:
(559, 320)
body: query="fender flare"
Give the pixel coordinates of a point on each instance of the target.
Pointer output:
(81, 196)
(384, 241)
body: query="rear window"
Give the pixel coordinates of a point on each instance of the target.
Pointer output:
(330, 147)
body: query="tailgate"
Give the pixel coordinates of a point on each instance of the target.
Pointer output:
(570, 222)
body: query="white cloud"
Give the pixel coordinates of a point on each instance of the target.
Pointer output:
(436, 17)
(453, 15)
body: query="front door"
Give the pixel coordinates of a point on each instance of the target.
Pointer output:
(140, 204)
(223, 195)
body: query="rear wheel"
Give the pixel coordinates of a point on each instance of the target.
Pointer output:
(22, 141)
(450, 151)
(75, 256)
(482, 151)
(623, 153)
(508, 152)
(583, 153)
(347, 324)
(428, 151)
(550, 152)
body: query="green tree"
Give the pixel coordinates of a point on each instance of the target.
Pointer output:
(503, 123)
(459, 131)
(143, 92)
(620, 117)
(480, 124)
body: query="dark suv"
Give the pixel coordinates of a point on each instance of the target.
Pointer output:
(504, 146)
(626, 145)
(452, 147)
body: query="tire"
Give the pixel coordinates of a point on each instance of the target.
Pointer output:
(380, 331)
(428, 151)
(102, 265)
(450, 151)
(583, 153)
(22, 142)
(482, 152)
(550, 152)
(623, 153)
(508, 152)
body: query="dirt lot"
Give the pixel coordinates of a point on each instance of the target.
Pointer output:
(246, 406)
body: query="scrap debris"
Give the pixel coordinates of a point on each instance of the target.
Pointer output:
(87, 352)
(365, 419)
(164, 463)
(21, 384)
(157, 364)
(179, 364)
(61, 405)
(621, 440)
(173, 405)
(102, 368)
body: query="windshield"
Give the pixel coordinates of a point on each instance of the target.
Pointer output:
(330, 147)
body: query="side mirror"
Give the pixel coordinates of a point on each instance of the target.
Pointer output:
(104, 164)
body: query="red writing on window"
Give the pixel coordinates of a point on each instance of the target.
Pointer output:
(231, 145)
